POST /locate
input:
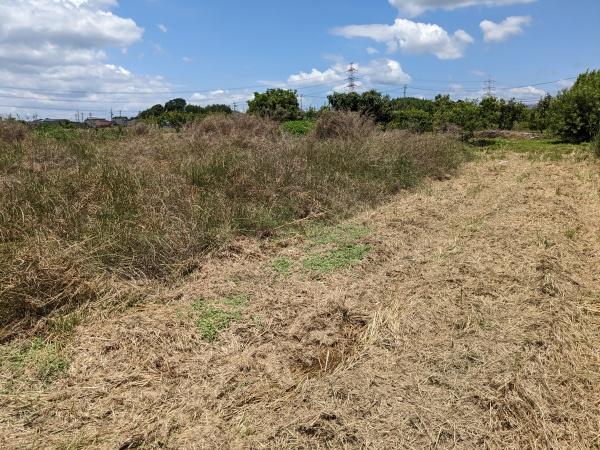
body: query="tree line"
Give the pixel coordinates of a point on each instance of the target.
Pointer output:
(572, 115)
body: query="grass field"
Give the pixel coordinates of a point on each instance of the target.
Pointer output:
(382, 291)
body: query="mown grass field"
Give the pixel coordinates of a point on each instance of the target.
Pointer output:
(367, 290)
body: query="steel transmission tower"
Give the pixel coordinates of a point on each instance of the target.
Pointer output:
(490, 88)
(352, 77)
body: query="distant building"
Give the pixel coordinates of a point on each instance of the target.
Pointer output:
(95, 122)
(49, 121)
(121, 121)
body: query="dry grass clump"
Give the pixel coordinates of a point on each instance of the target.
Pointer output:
(12, 131)
(148, 206)
(344, 125)
(237, 125)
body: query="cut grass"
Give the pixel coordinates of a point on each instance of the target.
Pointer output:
(338, 235)
(212, 319)
(44, 359)
(336, 259)
(283, 266)
(535, 149)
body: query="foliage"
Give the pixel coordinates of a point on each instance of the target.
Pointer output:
(275, 104)
(298, 127)
(176, 113)
(370, 103)
(575, 112)
(177, 104)
(415, 120)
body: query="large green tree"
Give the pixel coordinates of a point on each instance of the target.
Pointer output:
(371, 103)
(575, 112)
(276, 104)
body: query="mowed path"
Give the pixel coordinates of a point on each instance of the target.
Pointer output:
(474, 322)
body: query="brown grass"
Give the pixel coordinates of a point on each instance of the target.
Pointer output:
(473, 323)
(12, 131)
(80, 208)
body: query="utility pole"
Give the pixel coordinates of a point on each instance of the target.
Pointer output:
(490, 88)
(405, 87)
(352, 78)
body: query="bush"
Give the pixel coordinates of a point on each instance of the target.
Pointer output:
(298, 127)
(415, 120)
(275, 104)
(344, 125)
(575, 113)
(371, 103)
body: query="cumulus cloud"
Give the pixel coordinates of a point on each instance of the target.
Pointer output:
(162, 28)
(315, 77)
(527, 92)
(377, 71)
(412, 37)
(223, 97)
(372, 51)
(498, 32)
(53, 59)
(414, 8)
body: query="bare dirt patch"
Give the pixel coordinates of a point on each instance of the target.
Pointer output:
(472, 322)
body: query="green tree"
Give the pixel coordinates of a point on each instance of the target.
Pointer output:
(370, 103)
(276, 104)
(539, 118)
(154, 111)
(413, 119)
(510, 113)
(177, 104)
(575, 112)
(490, 112)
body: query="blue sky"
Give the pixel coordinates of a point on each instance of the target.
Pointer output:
(91, 55)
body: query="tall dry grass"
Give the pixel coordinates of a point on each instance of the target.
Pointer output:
(88, 208)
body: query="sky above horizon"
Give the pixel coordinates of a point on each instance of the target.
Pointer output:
(58, 57)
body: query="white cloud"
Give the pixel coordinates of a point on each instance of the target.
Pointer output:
(162, 28)
(372, 51)
(412, 37)
(377, 71)
(53, 59)
(223, 97)
(565, 84)
(527, 92)
(384, 71)
(187, 60)
(413, 8)
(498, 32)
(315, 77)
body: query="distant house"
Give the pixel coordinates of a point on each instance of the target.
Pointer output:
(95, 122)
(121, 121)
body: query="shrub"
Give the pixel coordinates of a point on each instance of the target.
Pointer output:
(275, 104)
(343, 125)
(298, 127)
(370, 103)
(414, 120)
